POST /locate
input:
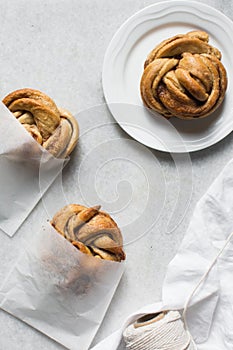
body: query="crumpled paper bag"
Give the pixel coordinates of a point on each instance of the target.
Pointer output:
(60, 291)
(209, 316)
(26, 172)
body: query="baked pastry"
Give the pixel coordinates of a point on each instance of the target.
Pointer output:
(184, 77)
(91, 231)
(53, 128)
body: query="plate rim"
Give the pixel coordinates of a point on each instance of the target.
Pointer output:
(165, 5)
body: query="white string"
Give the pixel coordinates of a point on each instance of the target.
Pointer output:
(203, 278)
(171, 332)
(168, 333)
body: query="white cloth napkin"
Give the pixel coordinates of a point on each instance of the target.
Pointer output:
(26, 172)
(210, 316)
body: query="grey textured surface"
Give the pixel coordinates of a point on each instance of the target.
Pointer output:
(58, 47)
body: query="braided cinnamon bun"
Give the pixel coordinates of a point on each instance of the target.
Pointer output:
(91, 231)
(184, 77)
(53, 128)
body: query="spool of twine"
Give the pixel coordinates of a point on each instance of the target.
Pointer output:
(166, 330)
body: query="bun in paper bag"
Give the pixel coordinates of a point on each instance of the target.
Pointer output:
(91, 231)
(53, 128)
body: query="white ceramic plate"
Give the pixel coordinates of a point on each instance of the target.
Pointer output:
(123, 67)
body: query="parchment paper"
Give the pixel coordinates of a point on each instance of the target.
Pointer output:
(26, 172)
(59, 290)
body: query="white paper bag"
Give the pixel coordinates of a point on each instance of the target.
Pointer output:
(210, 316)
(59, 290)
(26, 172)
